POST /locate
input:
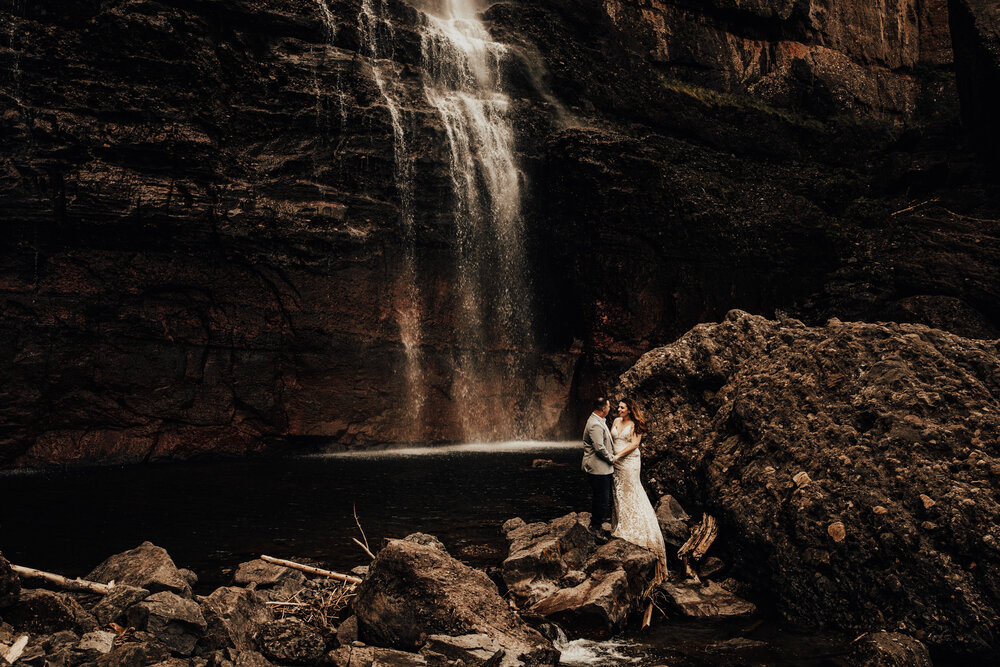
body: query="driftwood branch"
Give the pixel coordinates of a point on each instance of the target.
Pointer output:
(312, 570)
(14, 652)
(910, 208)
(358, 521)
(365, 547)
(65, 582)
(701, 539)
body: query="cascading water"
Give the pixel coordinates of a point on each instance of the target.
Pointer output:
(461, 76)
(490, 313)
(406, 300)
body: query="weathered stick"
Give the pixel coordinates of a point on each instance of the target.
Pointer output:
(72, 584)
(15, 651)
(910, 208)
(363, 536)
(365, 547)
(312, 570)
(701, 539)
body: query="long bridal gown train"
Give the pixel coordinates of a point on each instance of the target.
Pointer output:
(633, 517)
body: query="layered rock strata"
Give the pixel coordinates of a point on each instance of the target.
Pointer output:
(204, 235)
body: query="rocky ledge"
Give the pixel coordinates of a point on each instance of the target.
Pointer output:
(853, 468)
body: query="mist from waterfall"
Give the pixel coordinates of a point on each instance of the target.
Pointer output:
(462, 80)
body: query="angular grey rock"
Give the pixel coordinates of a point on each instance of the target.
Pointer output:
(264, 575)
(540, 554)
(476, 649)
(414, 590)
(189, 576)
(234, 616)
(373, 656)
(707, 600)
(291, 640)
(347, 631)
(96, 643)
(673, 521)
(134, 654)
(41, 612)
(596, 608)
(888, 649)
(10, 584)
(147, 566)
(111, 607)
(175, 621)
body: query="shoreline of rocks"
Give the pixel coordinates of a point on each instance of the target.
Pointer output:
(415, 605)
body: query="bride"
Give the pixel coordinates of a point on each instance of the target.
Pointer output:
(633, 518)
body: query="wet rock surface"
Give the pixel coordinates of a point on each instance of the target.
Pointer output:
(895, 426)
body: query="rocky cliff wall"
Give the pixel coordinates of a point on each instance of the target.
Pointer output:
(203, 238)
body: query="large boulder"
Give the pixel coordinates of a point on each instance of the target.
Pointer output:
(111, 607)
(10, 584)
(415, 590)
(895, 523)
(147, 566)
(174, 621)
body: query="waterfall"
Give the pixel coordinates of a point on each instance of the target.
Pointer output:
(406, 299)
(490, 313)
(461, 77)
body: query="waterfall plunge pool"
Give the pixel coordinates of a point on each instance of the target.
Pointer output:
(213, 515)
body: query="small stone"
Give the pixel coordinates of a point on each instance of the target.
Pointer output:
(927, 501)
(878, 509)
(928, 525)
(837, 531)
(801, 479)
(98, 642)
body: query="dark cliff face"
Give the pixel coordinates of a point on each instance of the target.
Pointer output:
(202, 236)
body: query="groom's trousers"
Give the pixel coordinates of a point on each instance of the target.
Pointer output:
(600, 487)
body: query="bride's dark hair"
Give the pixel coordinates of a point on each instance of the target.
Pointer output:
(636, 415)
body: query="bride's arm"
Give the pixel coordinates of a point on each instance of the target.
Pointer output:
(632, 446)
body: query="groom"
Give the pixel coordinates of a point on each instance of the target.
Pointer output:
(598, 456)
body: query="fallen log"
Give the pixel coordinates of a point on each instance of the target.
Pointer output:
(312, 570)
(701, 539)
(65, 582)
(15, 651)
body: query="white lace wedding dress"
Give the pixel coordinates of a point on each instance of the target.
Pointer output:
(633, 517)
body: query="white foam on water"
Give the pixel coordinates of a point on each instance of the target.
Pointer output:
(586, 652)
(511, 447)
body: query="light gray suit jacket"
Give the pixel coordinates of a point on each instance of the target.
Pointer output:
(598, 447)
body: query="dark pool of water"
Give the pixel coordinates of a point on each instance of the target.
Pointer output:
(211, 516)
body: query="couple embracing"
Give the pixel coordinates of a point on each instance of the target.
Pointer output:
(611, 461)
